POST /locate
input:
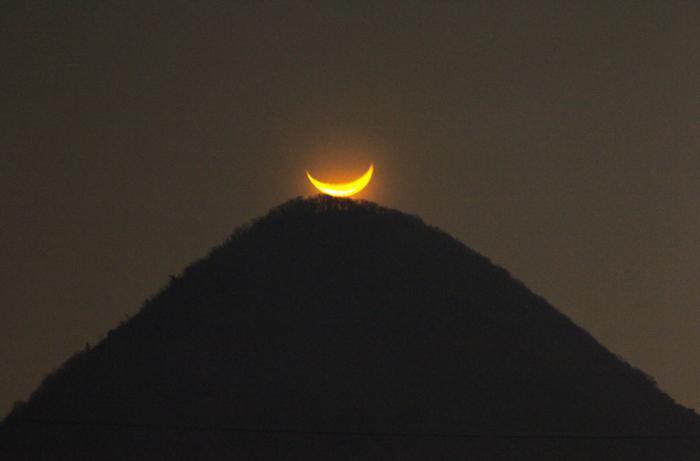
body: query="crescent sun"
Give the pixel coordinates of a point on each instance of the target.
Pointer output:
(343, 189)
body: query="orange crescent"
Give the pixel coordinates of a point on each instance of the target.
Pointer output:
(343, 189)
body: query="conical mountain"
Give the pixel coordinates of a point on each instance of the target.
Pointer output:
(336, 329)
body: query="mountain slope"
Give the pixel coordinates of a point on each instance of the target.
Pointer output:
(336, 329)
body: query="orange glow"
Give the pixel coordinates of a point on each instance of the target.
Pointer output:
(344, 189)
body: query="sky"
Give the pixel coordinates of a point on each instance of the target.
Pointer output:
(559, 139)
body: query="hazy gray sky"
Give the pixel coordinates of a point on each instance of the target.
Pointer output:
(559, 139)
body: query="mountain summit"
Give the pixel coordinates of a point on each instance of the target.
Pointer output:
(337, 329)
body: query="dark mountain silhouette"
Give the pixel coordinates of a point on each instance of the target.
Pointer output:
(336, 329)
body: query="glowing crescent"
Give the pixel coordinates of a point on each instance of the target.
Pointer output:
(345, 189)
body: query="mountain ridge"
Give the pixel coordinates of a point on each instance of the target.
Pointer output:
(343, 316)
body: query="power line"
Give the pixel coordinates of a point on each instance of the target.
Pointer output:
(222, 428)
